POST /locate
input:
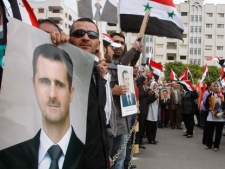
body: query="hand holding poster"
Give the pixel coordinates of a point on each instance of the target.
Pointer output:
(128, 100)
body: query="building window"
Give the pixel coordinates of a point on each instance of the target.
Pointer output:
(199, 8)
(199, 29)
(151, 38)
(219, 36)
(219, 47)
(147, 49)
(146, 38)
(65, 25)
(191, 51)
(196, 29)
(184, 13)
(208, 25)
(66, 15)
(220, 25)
(191, 40)
(208, 36)
(192, 8)
(196, 17)
(195, 51)
(221, 15)
(195, 40)
(200, 17)
(70, 18)
(182, 57)
(199, 51)
(192, 17)
(209, 14)
(56, 11)
(208, 47)
(41, 10)
(184, 35)
(199, 40)
(191, 28)
(170, 57)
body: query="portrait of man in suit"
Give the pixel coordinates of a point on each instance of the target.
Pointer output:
(100, 10)
(128, 99)
(56, 144)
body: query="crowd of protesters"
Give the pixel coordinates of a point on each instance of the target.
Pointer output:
(158, 105)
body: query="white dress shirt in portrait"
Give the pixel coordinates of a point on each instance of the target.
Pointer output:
(44, 159)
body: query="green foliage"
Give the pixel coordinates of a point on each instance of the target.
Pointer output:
(196, 71)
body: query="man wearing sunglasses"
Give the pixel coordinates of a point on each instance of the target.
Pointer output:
(84, 34)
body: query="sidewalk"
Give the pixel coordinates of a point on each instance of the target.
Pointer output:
(175, 151)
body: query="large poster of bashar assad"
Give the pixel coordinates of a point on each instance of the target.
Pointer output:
(127, 100)
(100, 10)
(43, 87)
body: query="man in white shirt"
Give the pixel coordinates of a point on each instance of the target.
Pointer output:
(52, 79)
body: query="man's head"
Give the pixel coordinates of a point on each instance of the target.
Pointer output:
(174, 84)
(126, 80)
(84, 34)
(209, 86)
(48, 26)
(165, 93)
(52, 79)
(135, 71)
(118, 38)
(216, 87)
(108, 47)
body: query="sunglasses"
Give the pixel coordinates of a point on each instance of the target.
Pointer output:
(80, 33)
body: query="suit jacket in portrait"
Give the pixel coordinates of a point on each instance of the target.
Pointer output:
(109, 12)
(164, 104)
(25, 155)
(125, 102)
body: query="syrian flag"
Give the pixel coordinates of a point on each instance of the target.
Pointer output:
(173, 76)
(20, 9)
(184, 76)
(205, 72)
(222, 82)
(198, 87)
(156, 69)
(221, 62)
(187, 86)
(164, 19)
(213, 58)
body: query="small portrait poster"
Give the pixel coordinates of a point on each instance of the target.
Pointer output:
(165, 93)
(127, 100)
(100, 10)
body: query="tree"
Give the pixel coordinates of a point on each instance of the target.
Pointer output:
(196, 71)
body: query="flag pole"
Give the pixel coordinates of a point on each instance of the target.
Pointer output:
(101, 50)
(144, 24)
(191, 76)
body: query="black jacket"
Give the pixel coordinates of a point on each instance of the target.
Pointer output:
(25, 155)
(188, 105)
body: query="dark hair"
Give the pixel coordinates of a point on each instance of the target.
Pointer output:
(52, 52)
(41, 21)
(83, 20)
(208, 84)
(117, 34)
(165, 91)
(124, 72)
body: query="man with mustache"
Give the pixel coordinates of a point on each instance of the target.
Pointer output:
(56, 144)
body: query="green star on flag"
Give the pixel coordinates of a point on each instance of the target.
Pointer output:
(147, 7)
(171, 14)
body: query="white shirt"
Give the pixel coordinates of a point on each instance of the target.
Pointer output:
(108, 105)
(102, 3)
(44, 159)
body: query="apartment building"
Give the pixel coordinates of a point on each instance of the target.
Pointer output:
(55, 10)
(203, 37)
